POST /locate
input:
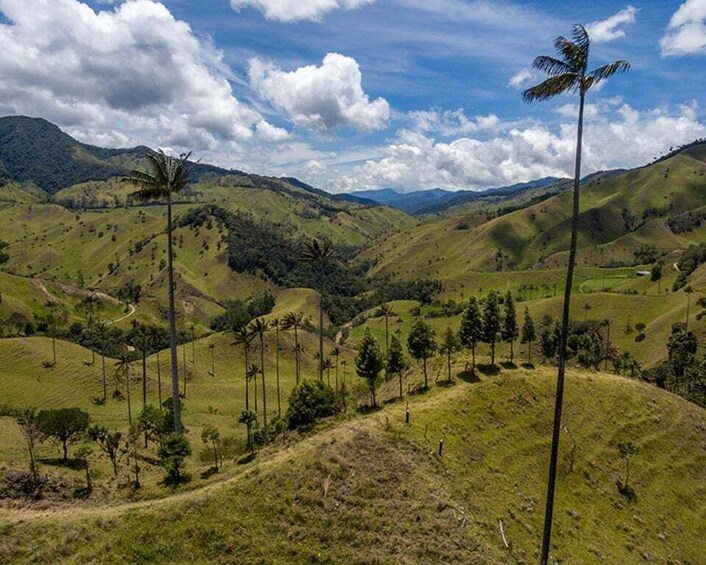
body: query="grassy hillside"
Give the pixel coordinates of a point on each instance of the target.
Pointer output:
(372, 490)
(618, 215)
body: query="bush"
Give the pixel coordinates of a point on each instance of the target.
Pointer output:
(172, 453)
(309, 402)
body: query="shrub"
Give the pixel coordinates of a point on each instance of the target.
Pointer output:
(309, 402)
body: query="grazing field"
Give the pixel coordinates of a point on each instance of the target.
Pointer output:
(371, 489)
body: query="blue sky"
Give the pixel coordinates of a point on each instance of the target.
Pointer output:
(354, 94)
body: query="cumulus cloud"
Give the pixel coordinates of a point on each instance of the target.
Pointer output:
(452, 122)
(610, 29)
(616, 136)
(521, 78)
(686, 33)
(321, 98)
(293, 10)
(120, 76)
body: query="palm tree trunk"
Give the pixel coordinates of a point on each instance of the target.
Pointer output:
(247, 384)
(400, 375)
(105, 379)
(129, 402)
(279, 401)
(264, 390)
(176, 403)
(426, 381)
(387, 335)
(321, 337)
(183, 362)
(53, 347)
(296, 353)
(144, 373)
(159, 380)
(556, 432)
(473, 358)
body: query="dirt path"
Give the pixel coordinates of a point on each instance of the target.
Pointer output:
(126, 316)
(263, 462)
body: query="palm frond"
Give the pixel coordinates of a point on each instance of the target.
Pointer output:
(552, 87)
(167, 175)
(550, 65)
(606, 71)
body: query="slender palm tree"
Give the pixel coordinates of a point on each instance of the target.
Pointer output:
(276, 324)
(100, 329)
(295, 321)
(155, 339)
(167, 177)
(328, 365)
(243, 336)
(320, 254)
(567, 73)
(386, 311)
(123, 368)
(336, 352)
(259, 327)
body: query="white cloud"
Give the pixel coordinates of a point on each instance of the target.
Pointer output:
(126, 75)
(610, 29)
(321, 98)
(520, 78)
(293, 10)
(268, 132)
(686, 33)
(452, 123)
(617, 135)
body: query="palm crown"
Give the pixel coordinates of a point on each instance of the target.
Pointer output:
(168, 175)
(569, 73)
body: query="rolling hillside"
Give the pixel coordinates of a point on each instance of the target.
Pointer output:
(619, 214)
(371, 489)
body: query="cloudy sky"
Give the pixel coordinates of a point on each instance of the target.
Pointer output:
(356, 94)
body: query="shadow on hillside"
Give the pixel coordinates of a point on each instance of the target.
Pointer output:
(488, 370)
(446, 383)
(367, 409)
(245, 459)
(73, 464)
(508, 365)
(208, 473)
(527, 366)
(469, 377)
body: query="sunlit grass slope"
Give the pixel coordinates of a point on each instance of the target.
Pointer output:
(372, 490)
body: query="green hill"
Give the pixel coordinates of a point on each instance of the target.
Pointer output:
(372, 490)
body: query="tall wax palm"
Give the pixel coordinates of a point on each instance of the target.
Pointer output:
(258, 328)
(155, 338)
(386, 311)
(567, 73)
(320, 254)
(123, 368)
(243, 336)
(295, 321)
(167, 177)
(276, 324)
(101, 329)
(336, 352)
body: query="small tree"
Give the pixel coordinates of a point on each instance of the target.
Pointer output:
(421, 343)
(491, 322)
(396, 364)
(449, 346)
(83, 453)
(369, 362)
(656, 274)
(309, 402)
(211, 435)
(471, 331)
(64, 425)
(249, 418)
(510, 331)
(109, 443)
(627, 450)
(172, 453)
(529, 334)
(32, 433)
(151, 423)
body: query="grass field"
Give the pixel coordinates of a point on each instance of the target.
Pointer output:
(372, 490)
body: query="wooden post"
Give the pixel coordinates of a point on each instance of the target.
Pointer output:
(441, 448)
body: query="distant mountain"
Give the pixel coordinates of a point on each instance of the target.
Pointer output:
(33, 150)
(410, 202)
(437, 200)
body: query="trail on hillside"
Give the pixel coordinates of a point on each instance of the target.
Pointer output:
(126, 316)
(262, 462)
